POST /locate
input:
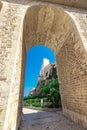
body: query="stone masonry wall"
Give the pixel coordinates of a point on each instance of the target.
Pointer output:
(10, 65)
(56, 29)
(0, 5)
(60, 34)
(74, 3)
(62, 29)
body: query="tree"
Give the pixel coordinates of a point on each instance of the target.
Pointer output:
(51, 90)
(45, 90)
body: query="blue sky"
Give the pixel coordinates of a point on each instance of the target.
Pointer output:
(33, 65)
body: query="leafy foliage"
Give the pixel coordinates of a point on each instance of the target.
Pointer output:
(45, 90)
(50, 94)
(51, 91)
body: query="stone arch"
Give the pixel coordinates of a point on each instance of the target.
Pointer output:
(54, 27)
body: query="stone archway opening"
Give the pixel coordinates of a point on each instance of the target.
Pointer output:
(41, 79)
(56, 29)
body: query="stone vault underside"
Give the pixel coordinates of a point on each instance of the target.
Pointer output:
(64, 31)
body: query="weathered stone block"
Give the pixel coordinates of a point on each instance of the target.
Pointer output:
(0, 4)
(74, 3)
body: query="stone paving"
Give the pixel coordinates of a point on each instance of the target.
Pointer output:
(40, 120)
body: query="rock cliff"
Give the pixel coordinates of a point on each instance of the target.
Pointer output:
(46, 74)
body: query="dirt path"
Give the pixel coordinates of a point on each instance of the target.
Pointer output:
(39, 120)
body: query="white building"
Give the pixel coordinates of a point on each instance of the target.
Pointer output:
(45, 63)
(46, 69)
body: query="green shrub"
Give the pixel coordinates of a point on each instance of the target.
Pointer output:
(30, 97)
(37, 100)
(43, 106)
(32, 100)
(36, 105)
(26, 104)
(33, 97)
(28, 101)
(45, 99)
